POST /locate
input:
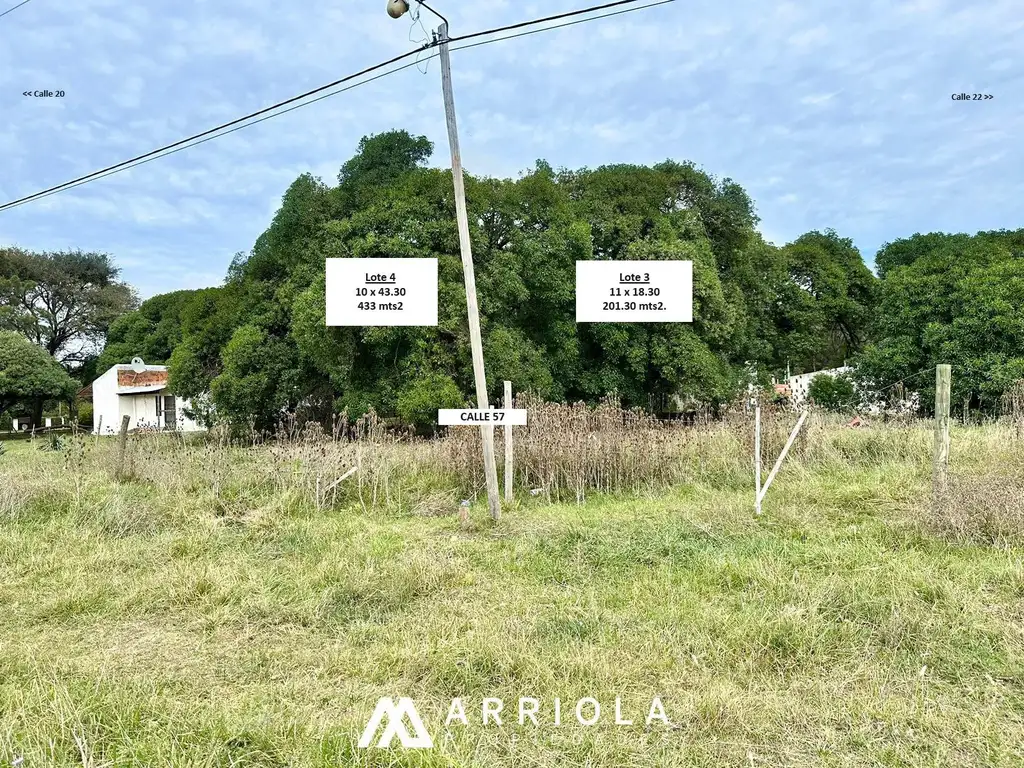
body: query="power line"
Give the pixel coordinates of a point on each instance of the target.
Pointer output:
(148, 159)
(558, 26)
(128, 163)
(416, 64)
(14, 8)
(556, 17)
(275, 110)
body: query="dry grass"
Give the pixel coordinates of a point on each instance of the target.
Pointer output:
(986, 509)
(226, 606)
(566, 453)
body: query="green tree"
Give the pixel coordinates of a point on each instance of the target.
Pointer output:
(256, 384)
(151, 332)
(379, 161)
(260, 344)
(957, 300)
(64, 302)
(28, 374)
(824, 304)
(835, 393)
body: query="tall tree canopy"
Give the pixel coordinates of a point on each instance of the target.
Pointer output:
(823, 305)
(63, 301)
(153, 331)
(955, 299)
(259, 345)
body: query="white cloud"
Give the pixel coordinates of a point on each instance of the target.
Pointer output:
(844, 107)
(819, 98)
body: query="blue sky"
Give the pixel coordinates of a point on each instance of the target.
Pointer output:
(830, 114)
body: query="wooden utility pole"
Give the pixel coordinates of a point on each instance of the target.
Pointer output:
(943, 377)
(508, 444)
(487, 432)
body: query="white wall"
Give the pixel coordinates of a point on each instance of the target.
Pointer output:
(185, 424)
(105, 404)
(140, 410)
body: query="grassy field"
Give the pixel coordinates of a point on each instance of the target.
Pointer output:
(190, 617)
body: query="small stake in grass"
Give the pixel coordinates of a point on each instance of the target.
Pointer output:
(943, 377)
(508, 443)
(122, 447)
(757, 459)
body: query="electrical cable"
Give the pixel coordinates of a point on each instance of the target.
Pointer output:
(275, 109)
(560, 26)
(187, 141)
(556, 17)
(14, 8)
(111, 171)
(423, 42)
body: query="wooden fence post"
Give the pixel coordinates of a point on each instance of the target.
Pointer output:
(943, 377)
(508, 443)
(122, 447)
(757, 459)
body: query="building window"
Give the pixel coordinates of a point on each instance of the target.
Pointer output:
(166, 412)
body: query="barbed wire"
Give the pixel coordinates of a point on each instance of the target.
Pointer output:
(861, 397)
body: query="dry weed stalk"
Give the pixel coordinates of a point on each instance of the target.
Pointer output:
(565, 453)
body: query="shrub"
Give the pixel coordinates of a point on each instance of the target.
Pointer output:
(833, 393)
(85, 416)
(52, 442)
(418, 404)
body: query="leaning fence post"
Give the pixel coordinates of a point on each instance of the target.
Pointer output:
(943, 377)
(782, 456)
(122, 447)
(508, 443)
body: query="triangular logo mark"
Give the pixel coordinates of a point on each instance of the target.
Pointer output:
(396, 715)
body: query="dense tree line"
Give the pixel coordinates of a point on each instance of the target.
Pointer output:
(258, 344)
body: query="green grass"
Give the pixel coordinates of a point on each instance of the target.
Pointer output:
(142, 628)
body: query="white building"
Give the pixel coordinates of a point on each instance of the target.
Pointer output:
(138, 391)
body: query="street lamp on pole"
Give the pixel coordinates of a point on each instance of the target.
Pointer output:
(396, 9)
